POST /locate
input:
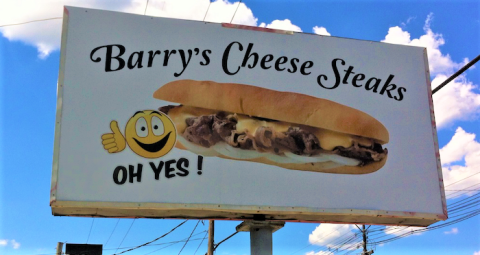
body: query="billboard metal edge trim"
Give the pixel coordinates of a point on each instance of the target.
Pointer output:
(435, 137)
(58, 117)
(252, 209)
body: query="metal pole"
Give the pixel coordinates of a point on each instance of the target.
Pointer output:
(260, 235)
(261, 241)
(211, 230)
(59, 248)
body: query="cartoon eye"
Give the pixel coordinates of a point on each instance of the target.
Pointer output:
(141, 127)
(157, 126)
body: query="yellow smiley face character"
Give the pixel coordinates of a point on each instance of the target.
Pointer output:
(148, 133)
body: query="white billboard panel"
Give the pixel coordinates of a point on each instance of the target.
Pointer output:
(182, 119)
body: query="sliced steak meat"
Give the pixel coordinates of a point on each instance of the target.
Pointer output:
(306, 142)
(365, 154)
(223, 125)
(199, 131)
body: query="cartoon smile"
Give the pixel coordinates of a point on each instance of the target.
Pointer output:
(154, 147)
(150, 134)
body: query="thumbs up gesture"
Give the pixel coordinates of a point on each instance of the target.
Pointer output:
(113, 142)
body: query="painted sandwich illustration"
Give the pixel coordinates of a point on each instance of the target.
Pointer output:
(289, 130)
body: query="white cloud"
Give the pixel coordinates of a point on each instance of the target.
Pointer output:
(45, 35)
(4, 242)
(318, 253)
(15, 244)
(328, 234)
(320, 31)
(285, 24)
(462, 146)
(398, 231)
(408, 21)
(459, 99)
(453, 231)
(455, 101)
(439, 63)
(218, 11)
(476, 253)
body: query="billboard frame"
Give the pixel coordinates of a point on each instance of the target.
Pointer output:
(231, 212)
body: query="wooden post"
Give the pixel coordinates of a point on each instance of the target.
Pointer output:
(211, 230)
(59, 248)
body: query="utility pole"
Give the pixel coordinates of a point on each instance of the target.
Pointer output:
(364, 234)
(211, 230)
(59, 248)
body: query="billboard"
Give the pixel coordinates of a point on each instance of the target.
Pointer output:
(170, 118)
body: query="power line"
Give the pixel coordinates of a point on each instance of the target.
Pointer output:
(145, 13)
(125, 235)
(136, 247)
(188, 238)
(91, 226)
(200, 243)
(235, 11)
(112, 232)
(208, 8)
(462, 179)
(32, 21)
(451, 78)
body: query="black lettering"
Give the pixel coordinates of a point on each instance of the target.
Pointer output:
(225, 58)
(294, 66)
(358, 77)
(280, 61)
(337, 74)
(306, 65)
(157, 169)
(375, 86)
(132, 174)
(116, 172)
(247, 56)
(151, 55)
(205, 57)
(319, 79)
(109, 57)
(347, 74)
(388, 87)
(137, 63)
(168, 53)
(169, 169)
(184, 62)
(182, 165)
(267, 58)
(400, 93)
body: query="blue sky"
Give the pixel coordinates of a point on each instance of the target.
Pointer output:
(29, 64)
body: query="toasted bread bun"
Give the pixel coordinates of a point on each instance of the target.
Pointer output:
(276, 105)
(282, 106)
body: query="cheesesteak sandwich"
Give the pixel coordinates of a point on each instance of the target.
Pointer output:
(284, 129)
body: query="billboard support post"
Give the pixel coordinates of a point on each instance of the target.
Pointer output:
(260, 235)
